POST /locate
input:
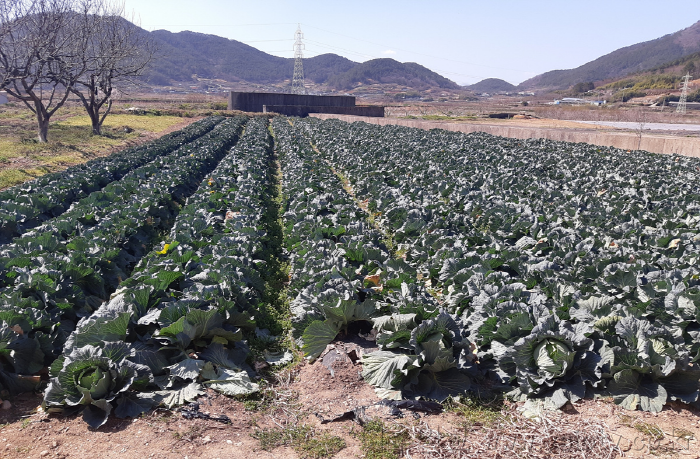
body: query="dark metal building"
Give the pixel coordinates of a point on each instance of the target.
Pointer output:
(299, 105)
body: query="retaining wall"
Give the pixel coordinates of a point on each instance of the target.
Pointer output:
(687, 146)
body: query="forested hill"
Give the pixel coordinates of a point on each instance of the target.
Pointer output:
(184, 54)
(390, 71)
(491, 85)
(635, 58)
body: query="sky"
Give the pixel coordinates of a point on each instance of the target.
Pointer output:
(465, 41)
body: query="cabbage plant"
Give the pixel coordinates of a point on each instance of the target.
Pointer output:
(91, 378)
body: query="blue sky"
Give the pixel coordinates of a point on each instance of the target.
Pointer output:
(465, 41)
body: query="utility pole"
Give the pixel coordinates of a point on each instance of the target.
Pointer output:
(684, 95)
(298, 79)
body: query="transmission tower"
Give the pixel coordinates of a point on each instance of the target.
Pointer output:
(684, 95)
(298, 79)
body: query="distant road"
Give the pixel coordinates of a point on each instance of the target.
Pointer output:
(647, 126)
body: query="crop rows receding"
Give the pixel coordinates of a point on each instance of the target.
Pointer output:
(547, 271)
(570, 270)
(25, 206)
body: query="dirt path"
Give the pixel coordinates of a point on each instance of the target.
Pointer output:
(536, 123)
(311, 395)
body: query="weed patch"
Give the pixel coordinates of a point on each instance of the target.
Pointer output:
(305, 440)
(381, 442)
(475, 411)
(192, 433)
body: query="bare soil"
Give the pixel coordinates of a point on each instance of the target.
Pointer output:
(315, 394)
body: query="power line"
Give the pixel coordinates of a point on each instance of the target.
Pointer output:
(259, 41)
(341, 49)
(439, 71)
(220, 25)
(345, 50)
(416, 52)
(346, 36)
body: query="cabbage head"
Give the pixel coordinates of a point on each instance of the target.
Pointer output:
(91, 378)
(556, 361)
(553, 357)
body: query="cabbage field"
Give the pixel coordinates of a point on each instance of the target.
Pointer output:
(544, 271)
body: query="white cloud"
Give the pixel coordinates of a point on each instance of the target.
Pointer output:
(389, 51)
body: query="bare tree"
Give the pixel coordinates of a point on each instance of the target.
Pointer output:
(117, 52)
(641, 120)
(39, 47)
(8, 10)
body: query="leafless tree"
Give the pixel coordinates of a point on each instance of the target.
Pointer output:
(39, 46)
(117, 52)
(641, 120)
(52, 48)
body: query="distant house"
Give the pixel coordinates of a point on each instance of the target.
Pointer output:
(3, 97)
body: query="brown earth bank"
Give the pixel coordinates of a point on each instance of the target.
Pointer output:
(320, 400)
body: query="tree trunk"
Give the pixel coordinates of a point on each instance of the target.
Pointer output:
(93, 109)
(42, 119)
(43, 131)
(95, 120)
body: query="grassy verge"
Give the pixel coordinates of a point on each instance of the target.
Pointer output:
(71, 141)
(117, 122)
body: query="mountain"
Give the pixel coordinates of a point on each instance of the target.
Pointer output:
(184, 54)
(635, 58)
(491, 85)
(390, 71)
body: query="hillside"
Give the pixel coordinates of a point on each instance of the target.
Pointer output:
(634, 58)
(390, 71)
(491, 85)
(184, 54)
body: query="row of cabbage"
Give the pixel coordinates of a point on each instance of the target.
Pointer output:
(177, 325)
(343, 275)
(572, 268)
(27, 205)
(72, 264)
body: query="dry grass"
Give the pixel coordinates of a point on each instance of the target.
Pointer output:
(148, 123)
(470, 429)
(70, 142)
(514, 436)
